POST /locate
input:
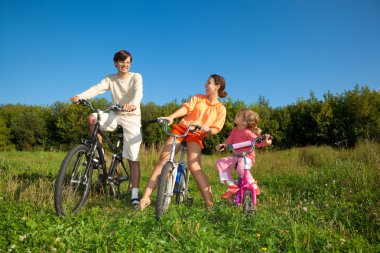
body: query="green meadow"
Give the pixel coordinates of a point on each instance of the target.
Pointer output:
(313, 199)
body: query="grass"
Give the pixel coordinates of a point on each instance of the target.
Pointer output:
(313, 199)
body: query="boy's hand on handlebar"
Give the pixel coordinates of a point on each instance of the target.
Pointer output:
(129, 107)
(75, 99)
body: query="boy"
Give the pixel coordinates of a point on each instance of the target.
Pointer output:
(126, 89)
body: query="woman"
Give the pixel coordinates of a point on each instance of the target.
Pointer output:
(209, 113)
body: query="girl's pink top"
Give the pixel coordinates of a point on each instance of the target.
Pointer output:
(242, 135)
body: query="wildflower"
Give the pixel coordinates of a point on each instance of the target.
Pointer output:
(264, 249)
(304, 208)
(22, 238)
(57, 239)
(328, 246)
(11, 248)
(23, 218)
(258, 235)
(342, 240)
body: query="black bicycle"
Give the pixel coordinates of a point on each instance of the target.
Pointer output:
(76, 174)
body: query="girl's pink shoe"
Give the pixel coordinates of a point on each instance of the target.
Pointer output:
(231, 190)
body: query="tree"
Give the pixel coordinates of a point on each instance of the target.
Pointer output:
(29, 130)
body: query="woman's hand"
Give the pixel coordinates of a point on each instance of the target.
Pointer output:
(205, 129)
(169, 119)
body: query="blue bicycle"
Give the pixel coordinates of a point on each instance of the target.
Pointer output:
(174, 177)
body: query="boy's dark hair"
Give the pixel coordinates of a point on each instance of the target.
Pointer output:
(122, 55)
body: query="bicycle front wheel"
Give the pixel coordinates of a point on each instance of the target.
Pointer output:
(73, 182)
(164, 189)
(248, 206)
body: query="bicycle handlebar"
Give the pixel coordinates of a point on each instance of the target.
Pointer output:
(244, 144)
(115, 108)
(165, 123)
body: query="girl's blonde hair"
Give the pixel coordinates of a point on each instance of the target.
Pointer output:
(251, 119)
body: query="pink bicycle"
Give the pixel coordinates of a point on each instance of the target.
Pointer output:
(244, 193)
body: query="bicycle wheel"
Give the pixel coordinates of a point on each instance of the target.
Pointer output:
(181, 188)
(73, 183)
(121, 180)
(99, 166)
(248, 206)
(164, 189)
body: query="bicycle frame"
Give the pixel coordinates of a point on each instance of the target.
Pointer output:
(108, 176)
(171, 180)
(178, 168)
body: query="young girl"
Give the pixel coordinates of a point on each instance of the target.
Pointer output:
(206, 111)
(246, 130)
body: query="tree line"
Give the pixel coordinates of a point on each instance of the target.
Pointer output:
(340, 120)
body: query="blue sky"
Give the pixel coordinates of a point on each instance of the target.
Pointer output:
(282, 50)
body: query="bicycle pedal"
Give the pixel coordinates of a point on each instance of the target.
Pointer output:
(189, 201)
(95, 163)
(122, 179)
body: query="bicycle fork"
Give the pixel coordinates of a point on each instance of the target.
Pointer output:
(244, 185)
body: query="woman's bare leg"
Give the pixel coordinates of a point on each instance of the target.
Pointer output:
(194, 161)
(152, 182)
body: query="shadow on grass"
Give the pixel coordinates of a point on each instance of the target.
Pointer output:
(28, 180)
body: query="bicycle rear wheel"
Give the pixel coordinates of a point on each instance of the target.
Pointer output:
(181, 188)
(248, 206)
(73, 183)
(164, 189)
(121, 181)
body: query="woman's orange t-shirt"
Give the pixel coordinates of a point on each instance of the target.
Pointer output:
(201, 112)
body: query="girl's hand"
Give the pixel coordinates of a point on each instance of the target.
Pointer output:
(220, 147)
(268, 140)
(169, 119)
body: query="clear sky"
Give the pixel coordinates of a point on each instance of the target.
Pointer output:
(282, 50)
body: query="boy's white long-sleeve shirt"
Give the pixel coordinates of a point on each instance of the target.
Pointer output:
(127, 90)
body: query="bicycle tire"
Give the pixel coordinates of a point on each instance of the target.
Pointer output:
(121, 180)
(248, 205)
(164, 190)
(102, 169)
(72, 186)
(181, 188)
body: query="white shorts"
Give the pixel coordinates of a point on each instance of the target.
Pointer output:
(132, 136)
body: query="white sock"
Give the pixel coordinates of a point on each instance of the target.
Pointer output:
(135, 193)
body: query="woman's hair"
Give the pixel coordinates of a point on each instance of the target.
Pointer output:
(121, 55)
(251, 119)
(219, 80)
